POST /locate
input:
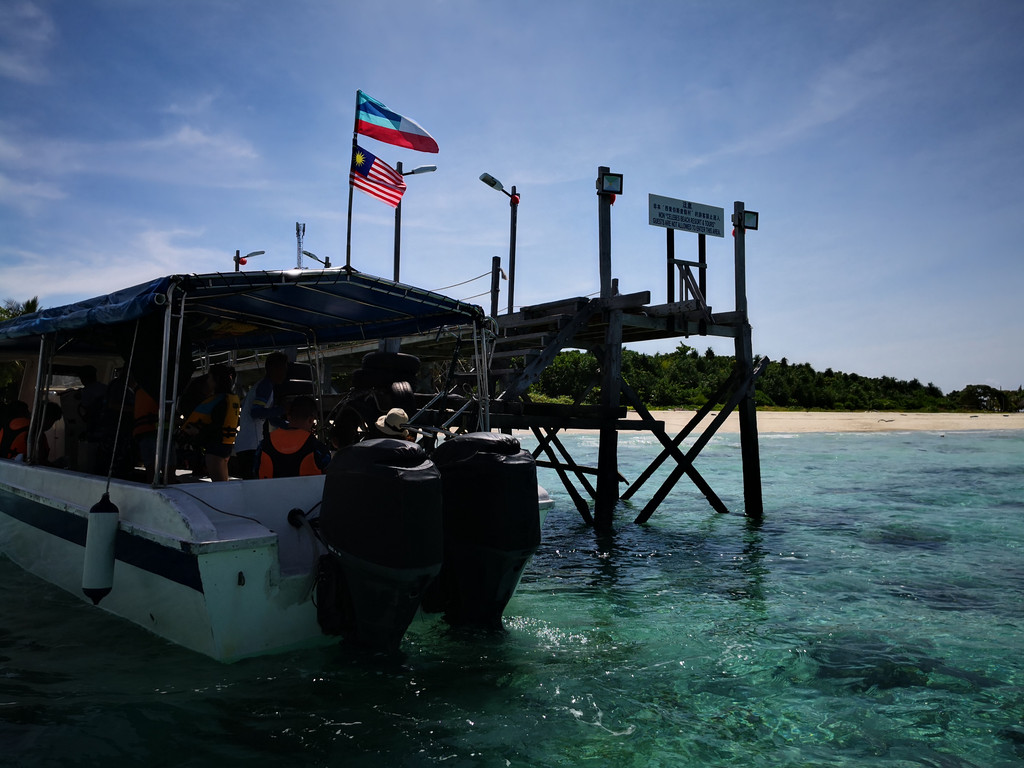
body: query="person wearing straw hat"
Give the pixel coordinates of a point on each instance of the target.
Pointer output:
(392, 424)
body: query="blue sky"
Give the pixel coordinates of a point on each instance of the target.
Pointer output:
(882, 143)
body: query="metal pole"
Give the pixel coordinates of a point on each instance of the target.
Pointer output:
(398, 227)
(513, 202)
(740, 252)
(604, 236)
(702, 258)
(670, 250)
(162, 397)
(611, 369)
(348, 225)
(495, 277)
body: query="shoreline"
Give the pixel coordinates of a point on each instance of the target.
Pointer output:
(850, 421)
(792, 422)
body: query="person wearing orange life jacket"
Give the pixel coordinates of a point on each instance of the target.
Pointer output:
(215, 422)
(14, 431)
(293, 451)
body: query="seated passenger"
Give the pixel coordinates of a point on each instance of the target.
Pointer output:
(52, 413)
(345, 429)
(14, 430)
(14, 433)
(293, 451)
(392, 425)
(92, 399)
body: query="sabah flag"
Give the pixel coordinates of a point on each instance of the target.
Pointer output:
(375, 120)
(377, 178)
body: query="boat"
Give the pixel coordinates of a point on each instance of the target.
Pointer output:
(395, 529)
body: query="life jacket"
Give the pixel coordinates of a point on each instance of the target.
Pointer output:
(147, 413)
(288, 453)
(217, 419)
(14, 437)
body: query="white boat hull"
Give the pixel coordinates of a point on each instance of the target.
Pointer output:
(226, 586)
(213, 567)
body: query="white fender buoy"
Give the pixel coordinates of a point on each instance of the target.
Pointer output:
(98, 570)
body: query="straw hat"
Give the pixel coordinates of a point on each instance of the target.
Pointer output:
(393, 423)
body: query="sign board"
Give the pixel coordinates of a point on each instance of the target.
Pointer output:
(690, 217)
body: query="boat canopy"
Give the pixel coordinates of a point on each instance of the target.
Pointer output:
(251, 310)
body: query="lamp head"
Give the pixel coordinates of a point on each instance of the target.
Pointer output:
(490, 181)
(609, 184)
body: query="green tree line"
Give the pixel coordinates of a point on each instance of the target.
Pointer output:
(686, 378)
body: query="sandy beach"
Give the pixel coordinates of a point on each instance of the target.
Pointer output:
(853, 421)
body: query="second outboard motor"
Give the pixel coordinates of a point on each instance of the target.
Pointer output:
(381, 518)
(491, 526)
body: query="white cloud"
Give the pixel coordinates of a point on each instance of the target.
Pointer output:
(101, 266)
(26, 36)
(185, 155)
(195, 105)
(26, 194)
(194, 142)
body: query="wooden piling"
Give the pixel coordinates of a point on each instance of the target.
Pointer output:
(750, 453)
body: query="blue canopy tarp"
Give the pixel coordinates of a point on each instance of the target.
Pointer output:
(246, 310)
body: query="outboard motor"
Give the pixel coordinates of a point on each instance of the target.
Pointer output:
(381, 518)
(491, 526)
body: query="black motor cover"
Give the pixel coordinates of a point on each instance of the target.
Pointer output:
(491, 525)
(382, 503)
(381, 515)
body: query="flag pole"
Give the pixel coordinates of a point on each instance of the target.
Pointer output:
(348, 233)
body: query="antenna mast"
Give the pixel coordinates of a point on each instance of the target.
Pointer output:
(300, 232)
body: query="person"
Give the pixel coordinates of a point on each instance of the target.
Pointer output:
(188, 448)
(14, 430)
(91, 403)
(214, 422)
(52, 413)
(345, 429)
(116, 448)
(147, 415)
(259, 411)
(392, 424)
(293, 450)
(14, 433)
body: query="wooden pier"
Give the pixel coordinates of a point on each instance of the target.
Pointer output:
(536, 334)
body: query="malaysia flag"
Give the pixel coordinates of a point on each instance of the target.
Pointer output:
(375, 177)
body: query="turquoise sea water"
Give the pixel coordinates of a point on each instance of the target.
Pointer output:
(875, 618)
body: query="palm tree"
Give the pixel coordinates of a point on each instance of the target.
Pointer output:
(12, 308)
(10, 373)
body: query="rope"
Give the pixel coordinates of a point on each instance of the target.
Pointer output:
(120, 415)
(456, 285)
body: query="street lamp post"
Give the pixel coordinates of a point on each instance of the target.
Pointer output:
(513, 201)
(326, 262)
(398, 211)
(241, 260)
